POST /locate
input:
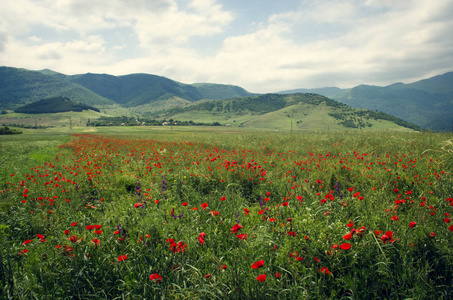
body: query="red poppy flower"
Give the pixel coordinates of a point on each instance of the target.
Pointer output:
(278, 275)
(155, 277)
(66, 232)
(317, 260)
(137, 205)
(395, 218)
(223, 198)
(291, 233)
(73, 239)
(74, 224)
(412, 224)
(207, 275)
(258, 264)
(242, 236)
(185, 204)
(89, 227)
(325, 270)
(204, 205)
(387, 237)
(261, 277)
(95, 241)
(122, 257)
(345, 246)
(450, 228)
(347, 236)
(236, 228)
(246, 211)
(201, 238)
(350, 225)
(223, 267)
(299, 198)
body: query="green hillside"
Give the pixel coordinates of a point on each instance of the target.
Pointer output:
(140, 89)
(427, 103)
(53, 105)
(286, 112)
(20, 86)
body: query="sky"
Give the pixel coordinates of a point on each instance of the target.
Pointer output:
(263, 46)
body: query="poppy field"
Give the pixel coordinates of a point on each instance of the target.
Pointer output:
(224, 215)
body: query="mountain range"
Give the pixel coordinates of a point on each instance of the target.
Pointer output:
(427, 103)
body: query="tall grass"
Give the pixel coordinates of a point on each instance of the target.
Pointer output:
(331, 216)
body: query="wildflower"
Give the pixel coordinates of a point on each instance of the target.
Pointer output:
(258, 264)
(137, 205)
(242, 236)
(95, 241)
(325, 270)
(345, 246)
(207, 275)
(223, 198)
(66, 232)
(223, 267)
(347, 236)
(317, 260)
(387, 237)
(155, 277)
(185, 204)
(73, 224)
(204, 205)
(236, 228)
(278, 275)
(291, 233)
(201, 237)
(261, 277)
(122, 257)
(395, 218)
(412, 224)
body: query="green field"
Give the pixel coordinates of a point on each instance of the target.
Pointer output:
(225, 213)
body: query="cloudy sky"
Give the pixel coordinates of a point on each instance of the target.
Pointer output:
(261, 45)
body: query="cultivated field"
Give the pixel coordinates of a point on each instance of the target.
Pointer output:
(215, 213)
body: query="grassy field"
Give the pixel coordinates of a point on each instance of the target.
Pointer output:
(225, 213)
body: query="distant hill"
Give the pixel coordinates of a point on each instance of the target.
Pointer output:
(54, 105)
(20, 86)
(427, 103)
(139, 89)
(302, 111)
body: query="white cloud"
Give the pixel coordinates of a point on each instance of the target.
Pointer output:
(319, 43)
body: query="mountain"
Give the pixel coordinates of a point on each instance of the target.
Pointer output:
(427, 103)
(20, 86)
(326, 91)
(286, 112)
(54, 105)
(138, 89)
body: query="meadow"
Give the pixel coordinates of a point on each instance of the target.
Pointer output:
(217, 213)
